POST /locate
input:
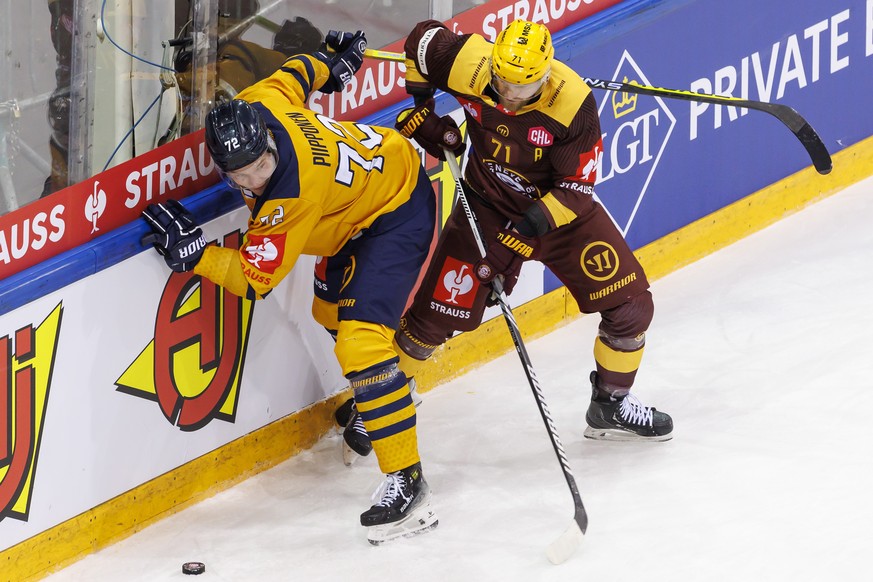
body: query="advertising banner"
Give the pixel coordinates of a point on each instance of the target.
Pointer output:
(49, 226)
(380, 83)
(667, 162)
(136, 370)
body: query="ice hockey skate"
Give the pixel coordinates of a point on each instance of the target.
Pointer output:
(356, 441)
(624, 418)
(403, 508)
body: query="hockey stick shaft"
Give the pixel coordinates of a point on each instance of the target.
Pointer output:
(580, 516)
(802, 130)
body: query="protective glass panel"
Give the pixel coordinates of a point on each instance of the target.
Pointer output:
(88, 84)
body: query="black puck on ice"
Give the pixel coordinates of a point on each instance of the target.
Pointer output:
(193, 568)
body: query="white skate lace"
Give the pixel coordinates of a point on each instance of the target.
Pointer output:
(358, 425)
(634, 412)
(390, 489)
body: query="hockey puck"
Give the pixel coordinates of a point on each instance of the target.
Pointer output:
(193, 568)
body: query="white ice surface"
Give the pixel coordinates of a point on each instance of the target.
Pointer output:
(760, 352)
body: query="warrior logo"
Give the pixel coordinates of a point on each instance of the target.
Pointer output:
(599, 261)
(266, 252)
(457, 284)
(25, 378)
(193, 366)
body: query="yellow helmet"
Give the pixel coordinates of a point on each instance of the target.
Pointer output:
(522, 52)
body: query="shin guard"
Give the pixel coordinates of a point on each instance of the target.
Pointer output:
(384, 402)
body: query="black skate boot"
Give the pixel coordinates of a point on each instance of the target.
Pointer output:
(403, 508)
(624, 418)
(343, 414)
(356, 441)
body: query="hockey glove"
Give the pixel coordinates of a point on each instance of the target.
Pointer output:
(430, 131)
(174, 234)
(343, 64)
(504, 258)
(338, 41)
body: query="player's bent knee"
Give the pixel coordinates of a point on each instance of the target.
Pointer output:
(630, 319)
(412, 351)
(361, 345)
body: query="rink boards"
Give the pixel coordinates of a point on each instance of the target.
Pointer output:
(130, 391)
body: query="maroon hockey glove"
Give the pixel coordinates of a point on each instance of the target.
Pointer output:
(430, 131)
(504, 257)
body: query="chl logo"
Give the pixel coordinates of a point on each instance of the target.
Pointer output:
(27, 363)
(458, 284)
(193, 366)
(540, 136)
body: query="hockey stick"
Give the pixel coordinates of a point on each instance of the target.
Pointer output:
(808, 137)
(563, 547)
(801, 129)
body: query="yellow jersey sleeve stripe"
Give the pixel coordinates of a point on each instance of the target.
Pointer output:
(560, 214)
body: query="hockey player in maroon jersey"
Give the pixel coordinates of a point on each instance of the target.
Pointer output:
(535, 142)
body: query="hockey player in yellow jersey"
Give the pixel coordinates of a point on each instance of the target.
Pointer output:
(353, 194)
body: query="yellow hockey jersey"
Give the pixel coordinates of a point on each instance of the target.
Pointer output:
(332, 180)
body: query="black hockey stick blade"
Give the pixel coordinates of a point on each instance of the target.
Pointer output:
(808, 137)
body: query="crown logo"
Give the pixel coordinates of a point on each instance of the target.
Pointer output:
(623, 102)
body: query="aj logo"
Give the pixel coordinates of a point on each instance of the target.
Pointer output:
(27, 364)
(193, 366)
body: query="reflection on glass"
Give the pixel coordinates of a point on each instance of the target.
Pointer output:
(71, 103)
